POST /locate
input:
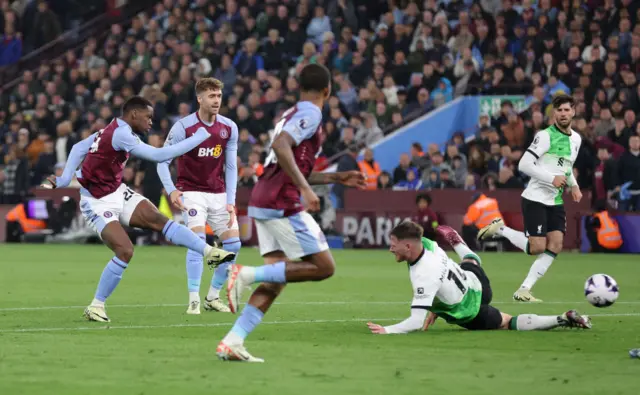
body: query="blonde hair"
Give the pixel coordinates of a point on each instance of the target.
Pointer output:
(204, 84)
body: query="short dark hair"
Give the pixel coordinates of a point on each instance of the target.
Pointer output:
(563, 99)
(407, 230)
(135, 103)
(423, 196)
(314, 78)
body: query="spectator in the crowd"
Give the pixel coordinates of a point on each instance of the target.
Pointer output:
(385, 181)
(446, 180)
(319, 25)
(604, 176)
(411, 182)
(425, 215)
(370, 133)
(419, 158)
(16, 176)
(347, 162)
(629, 177)
(400, 172)
(10, 46)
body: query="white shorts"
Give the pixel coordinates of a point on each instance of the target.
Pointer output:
(117, 206)
(297, 236)
(207, 208)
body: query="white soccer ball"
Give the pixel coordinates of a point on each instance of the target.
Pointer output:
(601, 290)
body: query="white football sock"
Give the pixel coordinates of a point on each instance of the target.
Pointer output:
(213, 293)
(97, 303)
(462, 250)
(516, 238)
(194, 297)
(232, 338)
(538, 269)
(532, 322)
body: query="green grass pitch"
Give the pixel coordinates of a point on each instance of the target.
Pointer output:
(315, 341)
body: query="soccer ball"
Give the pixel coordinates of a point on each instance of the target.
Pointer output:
(601, 290)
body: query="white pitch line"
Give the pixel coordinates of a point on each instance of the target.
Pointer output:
(219, 324)
(139, 306)
(210, 325)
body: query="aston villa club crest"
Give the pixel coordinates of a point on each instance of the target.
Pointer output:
(224, 133)
(108, 214)
(193, 212)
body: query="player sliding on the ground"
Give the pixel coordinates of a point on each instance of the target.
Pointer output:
(106, 202)
(549, 162)
(291, 242)
(207, 180)
(460, 294)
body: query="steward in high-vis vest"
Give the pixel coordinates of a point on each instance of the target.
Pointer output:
(603, 231)
(18, 223)
(371, 170)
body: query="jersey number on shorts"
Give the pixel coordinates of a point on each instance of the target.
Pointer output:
(94, 146)
(271, 158)
(128, 194)
(454, 277)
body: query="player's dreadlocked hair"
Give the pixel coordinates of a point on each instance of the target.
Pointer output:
(407, 230)
(135, 103)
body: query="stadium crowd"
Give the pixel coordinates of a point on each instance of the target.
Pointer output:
(391, 61)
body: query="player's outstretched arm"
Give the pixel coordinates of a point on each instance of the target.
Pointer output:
(124, 139)
(352, 178)
(76, 156)
(414, 323)
(176, 135)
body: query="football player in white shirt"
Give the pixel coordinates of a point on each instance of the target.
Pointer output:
(460, 294)
(549, 162)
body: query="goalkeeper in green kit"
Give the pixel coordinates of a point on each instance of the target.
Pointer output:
(458, 293)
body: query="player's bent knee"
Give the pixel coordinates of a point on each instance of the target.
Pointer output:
(537, 245)
(124, 253)
(555, 246)
(506, 321)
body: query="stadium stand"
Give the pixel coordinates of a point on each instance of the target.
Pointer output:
(392, 61)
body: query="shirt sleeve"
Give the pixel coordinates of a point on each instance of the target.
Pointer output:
(176, 135)
(231, 169)
(414, 323)
(302, 125)
(124, 139)
(76, 156)
(540, 145)
(527, 165)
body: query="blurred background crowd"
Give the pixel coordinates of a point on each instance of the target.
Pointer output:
(391, 61)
